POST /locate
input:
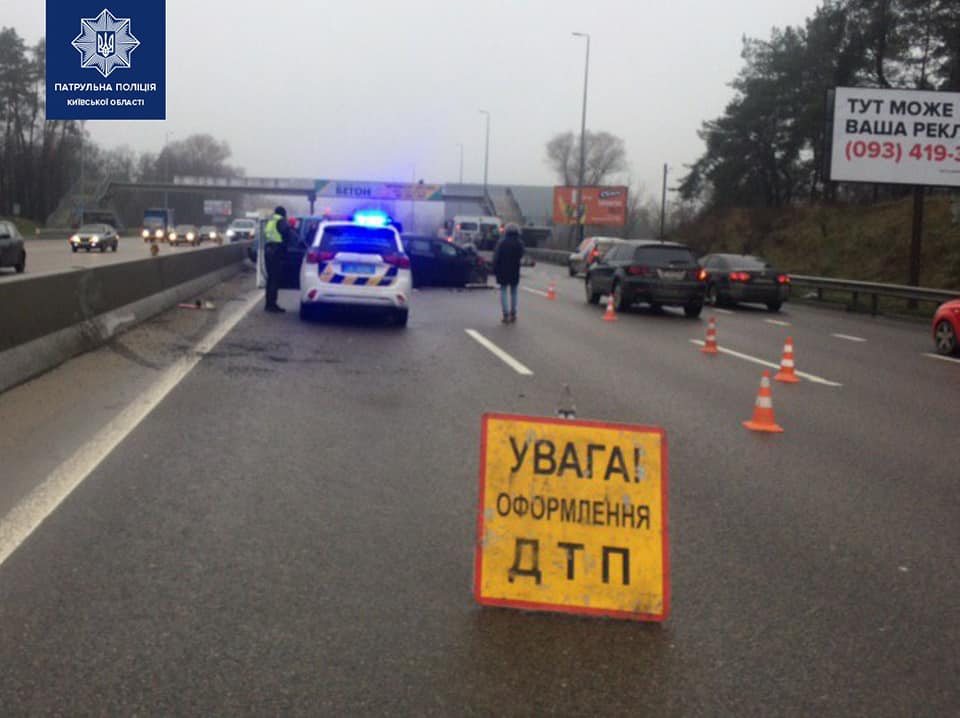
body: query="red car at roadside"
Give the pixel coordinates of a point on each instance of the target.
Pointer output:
(946, 327)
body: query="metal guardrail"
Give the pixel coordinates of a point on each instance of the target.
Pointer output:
(54, 233)
(554, 256)
(873, 291)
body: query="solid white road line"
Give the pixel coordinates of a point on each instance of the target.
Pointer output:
(763, 362)
(498, 352)
(943, 358)
(777, 322)
(534, 291)
(30, 513)
(721, 311)
(849, 338)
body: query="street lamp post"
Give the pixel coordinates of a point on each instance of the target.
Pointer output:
(583, 142)
(82, 171)
(460, 145)
(486, 153)
(166, 170)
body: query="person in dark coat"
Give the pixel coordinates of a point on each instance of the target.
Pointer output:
(506, 268)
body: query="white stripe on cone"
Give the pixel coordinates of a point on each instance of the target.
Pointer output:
(764, 402)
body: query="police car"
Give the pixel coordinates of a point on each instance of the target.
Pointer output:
(357, 263)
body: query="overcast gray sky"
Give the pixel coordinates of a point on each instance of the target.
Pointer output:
(373, 89)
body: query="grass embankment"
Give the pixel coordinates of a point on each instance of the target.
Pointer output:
(869, 243)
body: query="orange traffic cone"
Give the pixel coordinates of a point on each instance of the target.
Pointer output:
(552, 291)
(787, 373)
(763, 410)
(610, 315)
(711, 346)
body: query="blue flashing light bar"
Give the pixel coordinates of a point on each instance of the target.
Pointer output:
(371, 218)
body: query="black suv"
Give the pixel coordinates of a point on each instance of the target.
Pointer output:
(642, 270)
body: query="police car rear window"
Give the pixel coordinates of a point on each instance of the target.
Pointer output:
(360, 240)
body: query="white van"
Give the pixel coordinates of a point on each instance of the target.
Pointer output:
(466, 229)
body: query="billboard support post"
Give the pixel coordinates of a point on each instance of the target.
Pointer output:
(916, 239)
(663, 201)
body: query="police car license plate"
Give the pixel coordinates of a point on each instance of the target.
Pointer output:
(351, 268)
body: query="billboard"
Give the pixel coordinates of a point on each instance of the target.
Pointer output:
(217, 207)
(896, 137)
(395, 191)
(602, 206)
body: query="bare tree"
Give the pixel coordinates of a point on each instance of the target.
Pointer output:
(606, 157)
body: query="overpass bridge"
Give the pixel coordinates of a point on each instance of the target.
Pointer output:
(523, 204)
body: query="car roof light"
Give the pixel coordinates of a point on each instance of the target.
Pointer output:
(371, 218)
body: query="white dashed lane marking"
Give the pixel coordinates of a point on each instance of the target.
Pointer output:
(763, 362)
(848, 337)
(498, 352)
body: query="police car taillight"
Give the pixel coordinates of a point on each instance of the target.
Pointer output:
(401, 261)
(315, 256)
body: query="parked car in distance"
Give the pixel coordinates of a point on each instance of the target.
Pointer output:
(437, 262)
(946, 327)
(241, 229)
(650, 271)
(95, 236)
(13, 253)
(209, 233)
(184, 234)
(733, 278)
(590, 250)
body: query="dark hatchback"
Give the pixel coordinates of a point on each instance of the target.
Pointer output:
(657, 273)
(733, 278)
(437, 262)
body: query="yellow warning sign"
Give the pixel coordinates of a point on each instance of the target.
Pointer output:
(573, 517)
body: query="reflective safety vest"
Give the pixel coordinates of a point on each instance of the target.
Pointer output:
(271, 234)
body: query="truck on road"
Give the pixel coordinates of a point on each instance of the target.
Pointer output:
(156, 224)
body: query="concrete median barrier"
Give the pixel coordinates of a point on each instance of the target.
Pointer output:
(48, 319)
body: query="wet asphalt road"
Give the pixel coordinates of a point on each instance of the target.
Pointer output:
(290, 532)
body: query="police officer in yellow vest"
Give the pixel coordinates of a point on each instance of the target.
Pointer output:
(277, 234)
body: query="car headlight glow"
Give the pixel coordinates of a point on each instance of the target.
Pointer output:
(95, 238)
(230, 233)
(74, 239)
(158, 233)
(190, 235)
(145, 233)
